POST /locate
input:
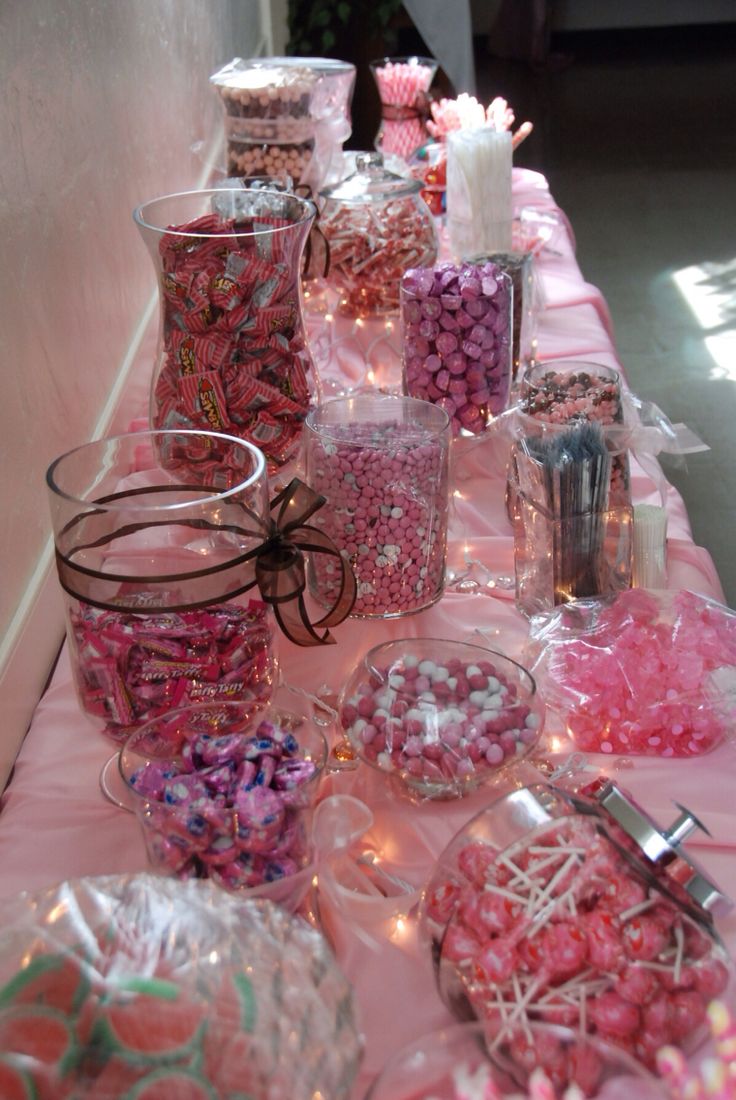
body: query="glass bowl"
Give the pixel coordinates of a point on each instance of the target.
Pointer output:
(463, 1061)
(224, 794)
(440, 717)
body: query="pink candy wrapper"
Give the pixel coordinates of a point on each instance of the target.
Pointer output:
(647, 673)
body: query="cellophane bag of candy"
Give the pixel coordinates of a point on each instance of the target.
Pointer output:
(650, 673)
(152, 989)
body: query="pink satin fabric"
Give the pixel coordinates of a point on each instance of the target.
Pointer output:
(55, 823)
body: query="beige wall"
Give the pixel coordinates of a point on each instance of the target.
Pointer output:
(103, 104)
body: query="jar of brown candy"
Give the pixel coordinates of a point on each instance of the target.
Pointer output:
(577, 909)
(377, 226)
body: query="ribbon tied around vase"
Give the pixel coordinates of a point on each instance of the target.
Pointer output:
(96, 557)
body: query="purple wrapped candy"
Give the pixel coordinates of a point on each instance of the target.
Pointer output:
(462, 315)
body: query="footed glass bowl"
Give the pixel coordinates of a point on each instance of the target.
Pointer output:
(440, 717)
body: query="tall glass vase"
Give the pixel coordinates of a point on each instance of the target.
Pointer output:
(232, 353)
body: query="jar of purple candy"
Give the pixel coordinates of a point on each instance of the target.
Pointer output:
(226, 794)
(382, 463)
(457, 340)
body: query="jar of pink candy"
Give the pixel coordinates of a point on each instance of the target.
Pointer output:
(377, 226)
(456, 329)
(226, 794)
(439, 717)
(541, 1062)
(403, 86)
(577, 909)
(156, 537)
(381, 462)
(553, 395)
(233, 355)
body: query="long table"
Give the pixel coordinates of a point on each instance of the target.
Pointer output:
(55, 824)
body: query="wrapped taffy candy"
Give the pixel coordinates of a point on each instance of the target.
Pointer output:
(647, 672)
(234, 357)
(456, 330)
(151, 989)
(546, 908)
(226, 795)
(377, 226)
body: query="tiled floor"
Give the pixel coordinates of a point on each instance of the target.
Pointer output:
(636, 134)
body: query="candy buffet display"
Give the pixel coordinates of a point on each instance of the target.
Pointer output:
(649, 673)
(403, 85)
(381, 462)
(456, 327)
(440, 717)
(152, 989)
(233, 352)
(224, 794)
(547, 1063)
(577, 910)
(285, 114)
(377, 226)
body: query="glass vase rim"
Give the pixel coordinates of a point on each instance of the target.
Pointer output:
(398, 398)
(139, 213)
(368, 658)
(414, 59)
(570, 366)
(126, 505)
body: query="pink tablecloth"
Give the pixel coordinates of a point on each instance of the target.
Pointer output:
(55, 823)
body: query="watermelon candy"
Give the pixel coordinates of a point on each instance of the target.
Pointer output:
(15, 1083)
(172, 1084)
(149, 1029)
(53, 979)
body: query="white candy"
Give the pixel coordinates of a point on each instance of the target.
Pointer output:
(428, 697)
(452, 682)
(472, 670)
(415, 715)
(440, 674)
(410, 661)
(493, 683)
(358, 725)
(493, 702)
(385, 762)
(478, 698)
(380, 712)
(384, 699)
(395, 681)
(427, 668)
(532, 722)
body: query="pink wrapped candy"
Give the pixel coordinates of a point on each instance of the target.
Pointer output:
(131, 667)
(456, 322)
(647, 673)
(221, 800)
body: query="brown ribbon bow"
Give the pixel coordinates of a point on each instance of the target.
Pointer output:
(275, 565)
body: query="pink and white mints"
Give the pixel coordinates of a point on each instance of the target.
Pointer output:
(456, 321)
(440, 716)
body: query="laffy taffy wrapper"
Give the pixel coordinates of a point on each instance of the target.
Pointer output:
(230, 302)
(142, 986)
(648, 673)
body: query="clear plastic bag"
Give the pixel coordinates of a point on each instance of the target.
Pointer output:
(649, 673)
(151, 988)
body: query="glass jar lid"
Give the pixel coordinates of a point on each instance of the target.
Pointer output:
(371, 183)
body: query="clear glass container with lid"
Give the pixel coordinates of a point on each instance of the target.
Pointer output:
(577, 909)
(377, 226)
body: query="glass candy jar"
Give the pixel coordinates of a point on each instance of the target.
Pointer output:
(577, 910)
(403, 86)
(224, 794)
(439, 718)
(377, 226)
(233, 356)
(156, 535)
(381, 462)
